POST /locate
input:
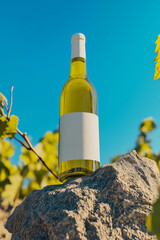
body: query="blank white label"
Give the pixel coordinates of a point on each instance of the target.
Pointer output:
(79, 137)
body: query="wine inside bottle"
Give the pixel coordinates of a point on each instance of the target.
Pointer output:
(79, 126)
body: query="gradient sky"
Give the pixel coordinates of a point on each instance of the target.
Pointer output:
(35, 49)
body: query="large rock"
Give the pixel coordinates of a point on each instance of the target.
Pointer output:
(110, 204)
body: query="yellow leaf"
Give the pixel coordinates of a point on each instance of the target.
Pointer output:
(157, 59)
(158, 43)
(157, 73)
(157, 64)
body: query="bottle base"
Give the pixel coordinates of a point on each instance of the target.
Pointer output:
(76, 168)
(74, 172)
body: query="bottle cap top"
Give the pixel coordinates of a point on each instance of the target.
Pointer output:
(78, 36)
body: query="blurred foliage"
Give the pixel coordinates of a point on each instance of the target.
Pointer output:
(143, 143)
(157, 59)
(16, 182)
(6, 168)
(34, 170)
(144, 149)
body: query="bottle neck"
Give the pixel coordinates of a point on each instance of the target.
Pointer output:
(78, 67)
(78, 56)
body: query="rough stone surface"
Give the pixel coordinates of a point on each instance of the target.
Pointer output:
(110, 204)
(4, 214)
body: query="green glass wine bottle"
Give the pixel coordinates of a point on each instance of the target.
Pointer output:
(79, 125)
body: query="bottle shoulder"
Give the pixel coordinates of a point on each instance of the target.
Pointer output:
(78, 95)
(79, 84)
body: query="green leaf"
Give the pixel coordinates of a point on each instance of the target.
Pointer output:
(147, 125)
(8, 127)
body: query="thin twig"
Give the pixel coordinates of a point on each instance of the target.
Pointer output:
(28, 148)
(20, 133)
(24, 136)
(5, 106)
(9, 110)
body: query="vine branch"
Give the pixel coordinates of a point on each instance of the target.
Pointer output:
(24, 136)
(5, 106)
(21, 143)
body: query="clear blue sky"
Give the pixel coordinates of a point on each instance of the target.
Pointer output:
(35, 46)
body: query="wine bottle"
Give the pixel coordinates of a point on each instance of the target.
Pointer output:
(79, 125)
